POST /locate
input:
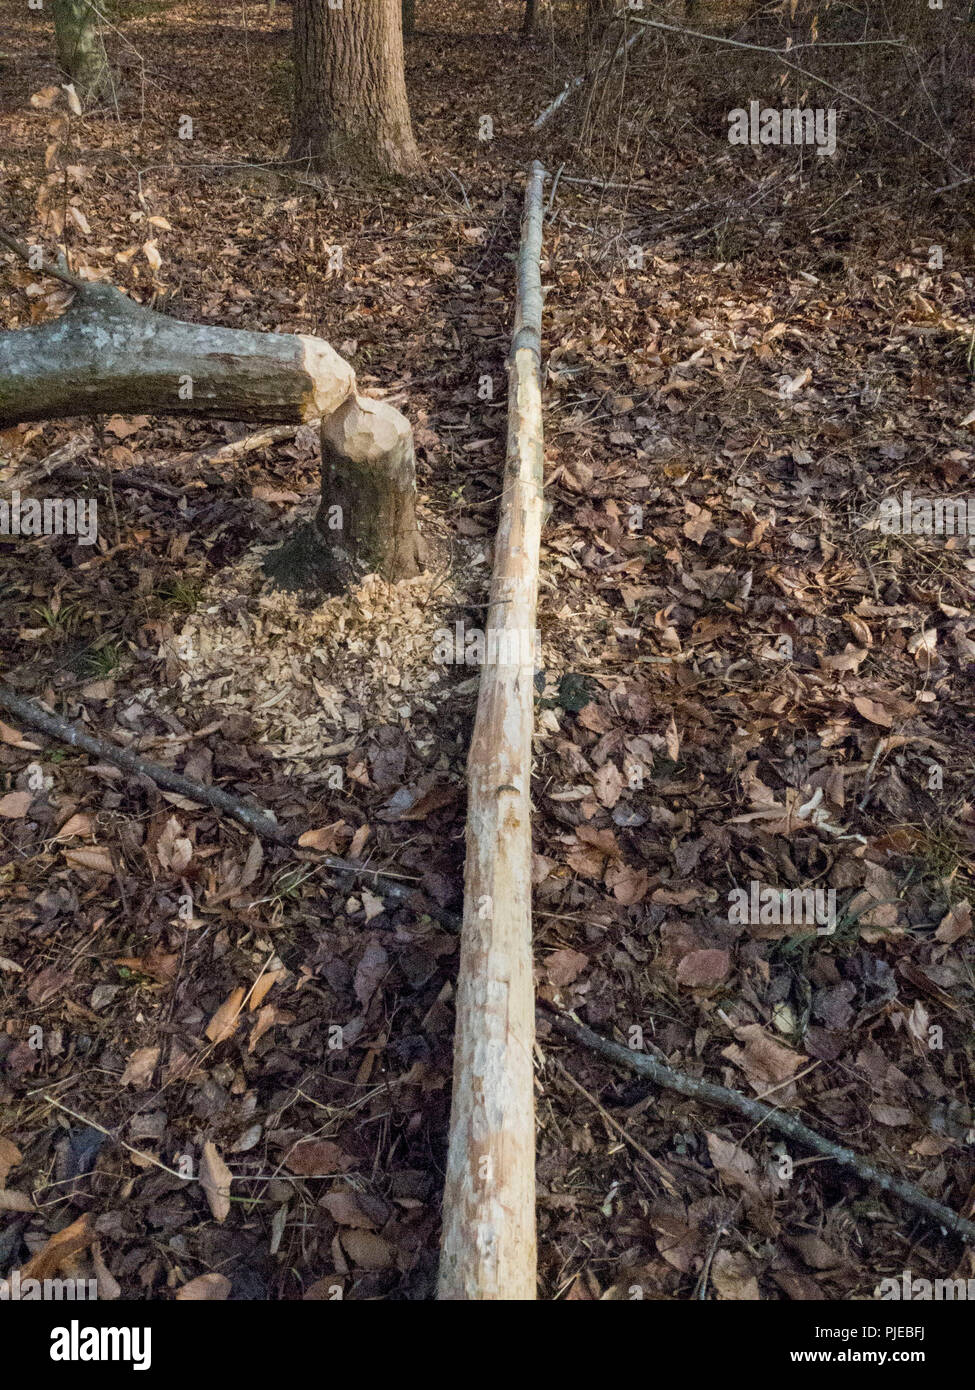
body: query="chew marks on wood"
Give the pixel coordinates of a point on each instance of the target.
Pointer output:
(488, 1244)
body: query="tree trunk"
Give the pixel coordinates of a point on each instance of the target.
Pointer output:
(80, 48)
(488, 1243)
(409, 18)
(528, 24)
(107, 353)
(351, 113)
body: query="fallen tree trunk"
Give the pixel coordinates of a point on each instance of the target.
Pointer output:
(488, 1248)
(106, 354)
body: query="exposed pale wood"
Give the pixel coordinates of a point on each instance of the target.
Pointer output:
(488, 1245)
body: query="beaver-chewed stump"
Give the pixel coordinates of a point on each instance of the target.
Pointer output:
(107, 353)
(366, 523)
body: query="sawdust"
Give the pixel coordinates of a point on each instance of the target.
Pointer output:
(311, 678)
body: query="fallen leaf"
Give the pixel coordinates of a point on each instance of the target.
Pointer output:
(95, 858)
(215, 1179)
(205, 1288)
(62, 1246)
(10, 1156)
(699, 969)
(224, 1022)
(370, 972)
(955, 924)
(872, 711)
(15, 805)
(140, 1067)
(562, 967)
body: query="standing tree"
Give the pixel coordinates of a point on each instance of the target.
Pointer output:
(351, 112)
(409, 18)
(80, 48)
(528, 23)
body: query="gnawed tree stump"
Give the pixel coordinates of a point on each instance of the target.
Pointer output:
(366, 523)
(107, 353)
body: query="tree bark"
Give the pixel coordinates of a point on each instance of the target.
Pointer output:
(409, 18)
(488, 1248)
(351, 113)
(80, 48)
(107, 353)
(528, 23)
(366, 523)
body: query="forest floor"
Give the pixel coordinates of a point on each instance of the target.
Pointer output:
(746, 681)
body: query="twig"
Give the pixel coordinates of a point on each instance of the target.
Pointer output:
(573, 86)
(759, 1113)
(258, 821)
(45, 268)
(237, 447)
(624, 1134)
(779, 55)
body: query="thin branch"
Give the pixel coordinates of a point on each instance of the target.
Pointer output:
(45, 268)
(759, 1113)
(779, 55)
(258, 821)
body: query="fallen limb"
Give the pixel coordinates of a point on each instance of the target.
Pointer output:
(759, 1113)
(258, 821)
(488, 1248)
(107, 353)
(573, 85)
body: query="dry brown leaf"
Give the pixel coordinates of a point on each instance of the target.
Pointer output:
(140, 1067)
(703, 969)
(608, 784)
(224, 1022)
(870, 709)
(10, 1156)
(205, 1288)
(15, 805)
(325, 838)
(562, 967)
(366, 1250)
(76, 826)
(955, 924)
(62, 1246)
(15, 738)
(215, 1179)
(94, 858)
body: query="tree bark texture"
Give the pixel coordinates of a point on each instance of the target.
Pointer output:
(80, 48)
(351, 112)
(488, 1247)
